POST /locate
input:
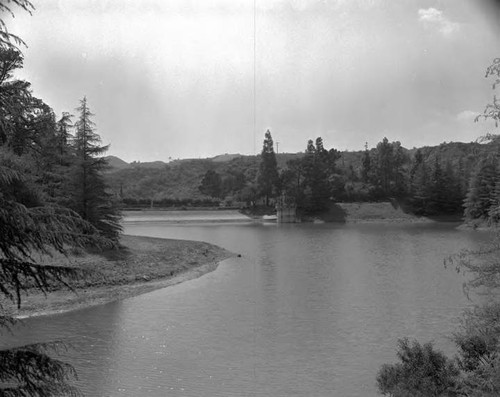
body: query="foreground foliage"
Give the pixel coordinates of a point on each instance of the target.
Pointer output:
(38, 161)
(423, 371)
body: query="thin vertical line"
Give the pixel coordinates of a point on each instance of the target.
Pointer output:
(255, 154)
(254, 76)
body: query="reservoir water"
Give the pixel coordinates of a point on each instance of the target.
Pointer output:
(308, 310)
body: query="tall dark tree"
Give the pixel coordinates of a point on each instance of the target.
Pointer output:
(15, 102)
(268, 177)
(30, 226)
(399, 179)
(385, 165)
(366, 169)
(91, 198)
(389, 163)
(320, 176)
(63, 135)
(481, 193)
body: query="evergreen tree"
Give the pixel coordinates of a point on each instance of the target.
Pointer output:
(437, 193)
(320, 176)
(310, 149)
(317, 177)
(268, 177)
(366, 165)
(398, 161)
(91, 198)
(64, 137)
(59, 162)
(389, 171)
(384, 165)
(481, 193)
(15, 103)
(28, 227)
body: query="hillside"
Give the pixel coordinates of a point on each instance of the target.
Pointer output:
(177, 182)
(116, 163)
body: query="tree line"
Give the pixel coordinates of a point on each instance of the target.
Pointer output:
(53, 197)
(427, 181)
(449, 179)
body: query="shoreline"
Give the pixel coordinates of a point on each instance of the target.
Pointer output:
(383, 212)
(146, 264)
(149, 264)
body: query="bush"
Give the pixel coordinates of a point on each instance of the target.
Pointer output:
(422, 372)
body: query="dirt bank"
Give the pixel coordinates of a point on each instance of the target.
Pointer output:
(143, 265)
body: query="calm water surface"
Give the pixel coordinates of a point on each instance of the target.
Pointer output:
(309, 310)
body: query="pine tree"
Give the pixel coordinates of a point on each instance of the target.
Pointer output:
(384, 165)
(398, 175)
(63, 135)
(15, 102)
(481, 193)
(366, 165)
(268, 177)
(320, 175)
(30, 226)
(390, 176)
(91, 198)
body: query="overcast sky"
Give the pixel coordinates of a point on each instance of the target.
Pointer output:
(175, 78)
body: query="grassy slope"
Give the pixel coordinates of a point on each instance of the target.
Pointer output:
(377, 212)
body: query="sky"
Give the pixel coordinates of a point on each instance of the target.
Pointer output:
(170, 79)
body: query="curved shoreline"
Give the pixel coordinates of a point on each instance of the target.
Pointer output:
(150, 264)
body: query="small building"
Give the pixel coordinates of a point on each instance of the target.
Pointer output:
(286, 210)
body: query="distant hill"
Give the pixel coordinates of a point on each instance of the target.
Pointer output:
(148, 164)
(116, 163)
(225, 157)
